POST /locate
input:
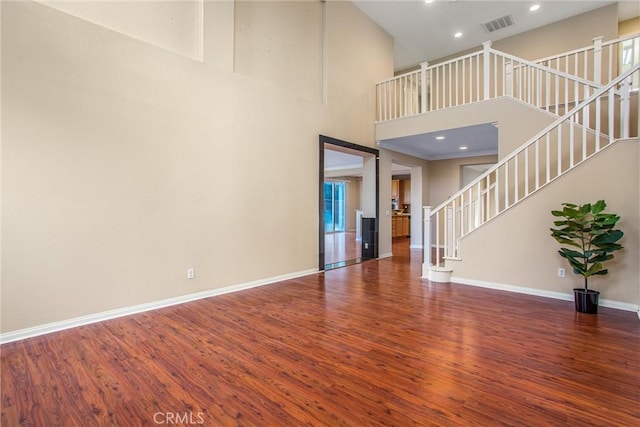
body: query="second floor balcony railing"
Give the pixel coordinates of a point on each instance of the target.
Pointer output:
(555, 84)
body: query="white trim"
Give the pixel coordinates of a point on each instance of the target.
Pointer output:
(386, 255)
(437, 274)
(416, 247)
(47, 328)
(542, 293)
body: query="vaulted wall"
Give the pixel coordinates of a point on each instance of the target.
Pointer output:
(124, 163)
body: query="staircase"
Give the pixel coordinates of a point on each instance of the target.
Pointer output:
(589, 128)
(591, 118)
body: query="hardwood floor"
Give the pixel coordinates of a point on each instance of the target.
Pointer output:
(340, 247)
(366, 345)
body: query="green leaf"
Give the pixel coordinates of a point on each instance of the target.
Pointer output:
(565, 241)
(577, 265)
(600, 258)
(609, 220)
(574, 254)
(585, 209)
(571, 213)
(611, 236)
(598, 207)
(610, 247)
(557, 213)
(594, 269)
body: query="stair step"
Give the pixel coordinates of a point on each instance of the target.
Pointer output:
(438, 274)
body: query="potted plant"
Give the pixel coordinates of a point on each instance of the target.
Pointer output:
(591, 239)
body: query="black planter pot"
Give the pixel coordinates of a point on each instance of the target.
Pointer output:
(586, 300)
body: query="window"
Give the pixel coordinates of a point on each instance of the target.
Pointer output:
(334, 206)
(630, 56)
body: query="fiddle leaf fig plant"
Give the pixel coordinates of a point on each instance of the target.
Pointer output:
(589, 230)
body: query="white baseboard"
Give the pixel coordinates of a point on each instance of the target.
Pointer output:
(542, 293)
(139, 308)
(385, 255)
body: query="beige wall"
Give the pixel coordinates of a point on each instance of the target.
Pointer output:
(445, 177)
(173, 25)
(563, 36)
(281, 43)
(116, 156)
(527, 256)
(630, 26)
(354, 201)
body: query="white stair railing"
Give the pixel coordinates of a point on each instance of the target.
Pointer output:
(555, 84)
(599, 62)
(399, 96)
(572, 139)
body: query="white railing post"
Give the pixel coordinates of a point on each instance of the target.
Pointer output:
(450, 237)
(597, 61)
(508, 78)
(426, 245)
(486, 59)
(424, 83)
(625, 96)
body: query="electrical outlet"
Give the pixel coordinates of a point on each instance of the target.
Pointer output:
(561, 272)
(191, 274)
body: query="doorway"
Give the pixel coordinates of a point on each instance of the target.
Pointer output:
(348, 203)
(335, 200)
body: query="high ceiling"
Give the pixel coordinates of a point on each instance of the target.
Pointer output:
(425, 31)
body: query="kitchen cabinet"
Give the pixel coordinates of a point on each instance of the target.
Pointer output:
(405, 192)
(401, 226)
(395, 189)
(405, 226)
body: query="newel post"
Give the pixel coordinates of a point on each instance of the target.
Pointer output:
(625, 113)
(426, 245)
(486, 59)
(424, 87)
(597, 61)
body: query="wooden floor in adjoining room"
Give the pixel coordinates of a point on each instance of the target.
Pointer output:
(366, 345)
(341, 246)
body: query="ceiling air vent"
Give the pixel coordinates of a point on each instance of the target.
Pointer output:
(498, 23)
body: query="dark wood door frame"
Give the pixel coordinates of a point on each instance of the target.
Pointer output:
(323, 141)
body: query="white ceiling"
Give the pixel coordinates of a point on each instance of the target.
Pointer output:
(337, 160)
(424, 32)
(479, 140)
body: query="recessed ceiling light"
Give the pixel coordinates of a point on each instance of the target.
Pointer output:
(440, 137)
(464, 147)
(457, 35)
(428, 1)
(534, 7)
